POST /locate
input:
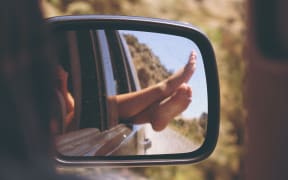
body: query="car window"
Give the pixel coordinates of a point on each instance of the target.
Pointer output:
(98, 71)
(79, 58)
(111, 84)
(119, 62)
(92, 88)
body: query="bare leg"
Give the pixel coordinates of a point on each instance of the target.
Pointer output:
(161, 113)
(131, 104)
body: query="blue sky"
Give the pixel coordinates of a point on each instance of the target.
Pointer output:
(173, 52)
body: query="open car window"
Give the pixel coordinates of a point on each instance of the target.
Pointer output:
(97, 73)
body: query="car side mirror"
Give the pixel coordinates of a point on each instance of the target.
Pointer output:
(130, 92)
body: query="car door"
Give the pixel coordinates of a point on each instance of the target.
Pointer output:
(103, 72)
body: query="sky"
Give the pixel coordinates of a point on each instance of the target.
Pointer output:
(173, 52)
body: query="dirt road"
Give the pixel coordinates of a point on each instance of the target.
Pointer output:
(168, 141)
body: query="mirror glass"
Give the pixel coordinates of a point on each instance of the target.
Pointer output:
(125, 92)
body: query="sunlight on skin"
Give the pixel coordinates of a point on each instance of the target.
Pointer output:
(159, 103)
(162, 102)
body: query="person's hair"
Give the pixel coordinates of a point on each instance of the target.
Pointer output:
(26, 81)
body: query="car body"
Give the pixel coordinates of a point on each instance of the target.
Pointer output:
(104, 68)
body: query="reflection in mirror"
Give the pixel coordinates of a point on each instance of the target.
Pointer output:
(129, 93)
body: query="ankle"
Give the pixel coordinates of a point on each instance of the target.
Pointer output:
(164, 88)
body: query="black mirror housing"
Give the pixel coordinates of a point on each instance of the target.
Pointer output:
(156, 26)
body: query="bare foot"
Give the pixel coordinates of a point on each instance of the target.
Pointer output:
(134, 104)
(172, 106)
(160, 113)
(181, 76)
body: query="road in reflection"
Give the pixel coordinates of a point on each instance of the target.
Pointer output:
(168, 141)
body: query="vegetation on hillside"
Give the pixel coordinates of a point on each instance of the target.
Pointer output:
(148, 66)
(194, 129)
(222, 21)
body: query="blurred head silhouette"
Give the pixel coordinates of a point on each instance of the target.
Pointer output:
(26, 92)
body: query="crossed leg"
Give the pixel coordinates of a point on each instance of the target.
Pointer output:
(158, 104)
(160, 113)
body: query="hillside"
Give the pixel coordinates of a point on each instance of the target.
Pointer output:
(149, 68)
